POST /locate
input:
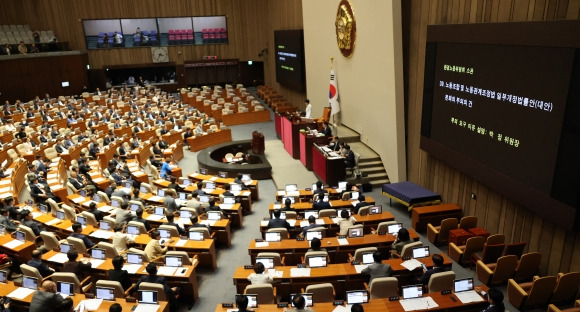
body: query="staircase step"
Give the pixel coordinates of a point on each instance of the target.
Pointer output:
(374, 170)
(369, 164)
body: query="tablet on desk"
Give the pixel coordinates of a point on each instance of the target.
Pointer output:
(273, 236)
(105, 293)
(143, 190)
(160, 211)
(104, 225)
(65, 288)
(165, 233)
(357, 296)
(64, 248)
(317, 262)
(132, 229)
(147, 296)
(229, 200)
(214, 215)
(161, 192)
(134, 207)
(312, 234)
(268, 262)
(421, 252)
(98, 253)
(196, 236)
(3, 277)
(412, 291)
(309, 213)
(464, 284)
(173, 261)
(115, 203)
(235, 187)
(186, 214)
(394, 228)
(82, 220)
(367, 258)
(291, 188)
(134, 258)
(30, 282)
(21, 236)
(60, 214)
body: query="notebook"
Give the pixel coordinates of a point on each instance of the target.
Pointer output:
(421, 252)
(412, 291)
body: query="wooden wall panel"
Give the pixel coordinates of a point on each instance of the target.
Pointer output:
(560, 249)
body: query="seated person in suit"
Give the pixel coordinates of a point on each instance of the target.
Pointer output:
(311, 224)
(46, 299)
(361, 203)
(151, 268)
(437, 268)
(36, 262)
(320, 204)
(81, 268)
(154, 249)
(195, 223)
(97, 213)
(315, 244)
(118, 274)
(121, 239)
(495, 299)
(334, 144)
(402, 238)
(349, 161)
(378, 268)
(357, 307)
(327, 130)
(320, 190)
(170, 217)
(77, 229)
(27, 220)
(258, 277)
(9, 225)
(276, 222)
(139, 218)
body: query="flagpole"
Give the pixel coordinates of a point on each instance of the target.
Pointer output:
(331, 65)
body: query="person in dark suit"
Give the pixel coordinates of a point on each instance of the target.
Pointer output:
(36, 262)
(321, 204)
(227, 192)
(97, 213)
(77, 229)
(276, 222)
(46, 299)
(151, 268)
(170, 217)
(327, 131)
(43, 138)
(437, 268)
(349, 161)
(311, 224)
(361, 203)
(495, 299)
(27, 220)
(81, 269)
(320, 191)
(287, 205)
(334, 144)
(377, 269)
(195, 223)
(43, 166)
(118, 274)
(139, 218)
(40, 193)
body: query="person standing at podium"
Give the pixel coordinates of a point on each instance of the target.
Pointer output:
(308, 109)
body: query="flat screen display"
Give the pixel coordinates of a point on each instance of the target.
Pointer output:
(289, 50)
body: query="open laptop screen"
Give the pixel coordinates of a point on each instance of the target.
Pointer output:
(355, 232)
(292, 199)
(30, 282)
(412, 291)
(147, 296)
(342, 185)
(317, 262)
(104, 225)
(65, 288)
(273, 236)
(60, 214)
(357, 296)
(354, 195)
(134, 207)
(367, 258)
(82, 220)
(173, 261)
(185, 214)
(203, 198)
(463, 284)
(160, 192)
(160, 211)
(134, 258)
(339, 211)
(115, 203)
(376, 209)
(394, 228)
(421, 252)
(143, 189)
(3, 276)
(165, 233)
(132, 229)
(268, 262)
(312, 234)
(64, 248)
(196, 236)
(105, 293)
(98, 253)
(209, 185)
(182, 196)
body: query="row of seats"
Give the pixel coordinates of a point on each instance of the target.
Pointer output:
(13, 28)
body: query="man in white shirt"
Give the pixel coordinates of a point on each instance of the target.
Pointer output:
(120, 239)
(308, 109)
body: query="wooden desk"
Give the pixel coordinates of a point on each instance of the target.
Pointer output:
(307, 195)
(459, 236)
(433, 214)
(142, 154)
(253, 187)
(343, 276)
(200, 142)
(335, 204)
(332, 228)
(294, 249)
(23, 252)
(173, 137)
(244, 118)
(147, 134)
(187, 281)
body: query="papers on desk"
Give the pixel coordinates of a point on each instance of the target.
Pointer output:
(262, 244)
(333, 154)
(52, 181)
(36, 214)
(79, 199)
(303, 223)
(59, 258)
(265, 223)
(468, 296)
(299, 272)
(342, 241)
(212, 222)
(180, 272)
(340, 308)
(213, 178)
(411, 264)
(13, 244)
(95, 263)
(181, 242)
(147, 308)
(354, 203)
(138, 173)
(106, 209)
(248, 182)
(418, 304)
(52, 176)
(165, 270)
(6, 195)
(53, 221)
(155, 198)
(98, 180)
(277, 206)
(92, 173)
(281, 193)
(132, 268)
(5, 182)
(226, 206)
(155, 217)
(360, 267)
(91, 304)
(5, 189)
(293, 194)
(102, 234)
(274, 273)
(292, 222)
(320, 221)
(21, 293)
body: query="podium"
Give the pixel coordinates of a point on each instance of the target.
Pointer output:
(258, 143)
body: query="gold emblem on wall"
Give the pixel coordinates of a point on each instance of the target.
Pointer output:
(345, 28)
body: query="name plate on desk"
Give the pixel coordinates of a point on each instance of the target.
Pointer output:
(248, 267)
(301, 265)
(341, 236)
(259, 240)
(337, 302)
(89, 296)
(227, 305)
(446, 292)
(299, 239)
(282, 305)
(355, 263)
(130, 299)
(406, 258)
(394, 298)
(382, 233)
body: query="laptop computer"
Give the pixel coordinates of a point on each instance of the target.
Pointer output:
(464, 284)
(147, 296)
(186, 182)
(160, 211)
(412, 291)
(132, 229)
(134, 207)
(312, 234)
(282, 215)
(209, 186)
(203, 198)
(307, 297)
(60, 214)
(421, 252)
(268, 262)
(161, 192)
(30, 282)
(355, 232)
(394, 228)
(214, 215)
(309, 213)
(173, 261)
(185, 214)
(378, 209)
(182, 196)
(134, 258)
(252, 300)
(317, 262)
(342, 185)
(273, 236)
(65, 288)
(21, 236)
(3, 277)
(105, 293)
(64, 248)
(357, 296)
(165, 233)
(97, 198)
(196, 236)
(367, 258)
(82, 220)
(104, 225)
(98, 253)
(115, 203)
(143, 189)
